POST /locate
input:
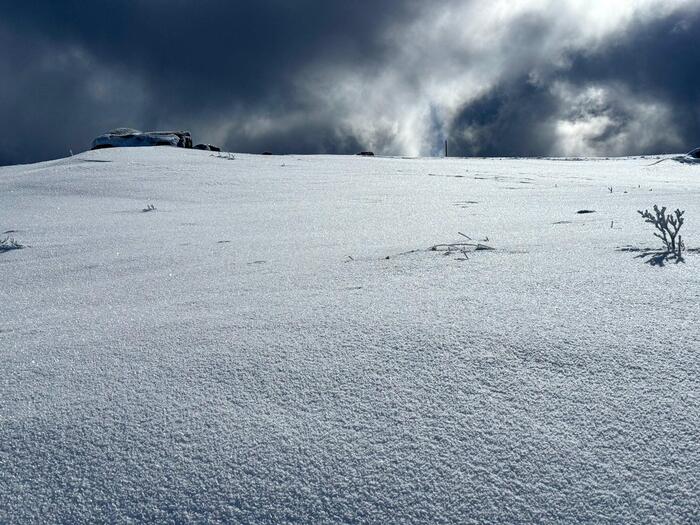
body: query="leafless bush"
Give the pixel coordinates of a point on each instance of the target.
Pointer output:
(668, 227)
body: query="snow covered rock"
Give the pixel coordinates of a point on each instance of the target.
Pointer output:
(127, 137)
(207, 147)
(692, 157)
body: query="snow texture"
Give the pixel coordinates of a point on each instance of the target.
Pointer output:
(247, 353)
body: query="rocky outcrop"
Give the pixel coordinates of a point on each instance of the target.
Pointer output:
(127, 137)
(207, 147)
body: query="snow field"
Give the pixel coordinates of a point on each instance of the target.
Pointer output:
(247, 353)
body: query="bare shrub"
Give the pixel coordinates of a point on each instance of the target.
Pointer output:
(668, 228)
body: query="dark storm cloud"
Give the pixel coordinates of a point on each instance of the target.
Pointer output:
(505, 122)
(155, 63)
(46, 103)
(217, 45)
(652, 63)
(658, 61)
(335, 77)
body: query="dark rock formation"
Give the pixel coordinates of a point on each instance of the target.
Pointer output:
(127, 137)
(207, 147)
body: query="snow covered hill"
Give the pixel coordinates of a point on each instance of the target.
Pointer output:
(277, 343)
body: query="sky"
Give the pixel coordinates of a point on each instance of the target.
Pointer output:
(398, 77)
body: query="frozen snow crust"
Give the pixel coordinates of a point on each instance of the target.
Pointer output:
(223, 359)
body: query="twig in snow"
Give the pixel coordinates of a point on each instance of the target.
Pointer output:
(8, 243)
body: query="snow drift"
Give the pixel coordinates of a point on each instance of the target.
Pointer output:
(275, 341)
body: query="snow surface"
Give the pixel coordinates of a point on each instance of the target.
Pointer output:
(247, 353)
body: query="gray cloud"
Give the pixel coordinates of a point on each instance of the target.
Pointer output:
(637, 92)
(397, 76)
(75, 69)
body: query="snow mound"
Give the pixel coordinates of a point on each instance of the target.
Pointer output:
(278, 344)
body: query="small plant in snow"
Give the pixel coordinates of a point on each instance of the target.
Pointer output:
(148, 208)
(8, 243)
(668, 227)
